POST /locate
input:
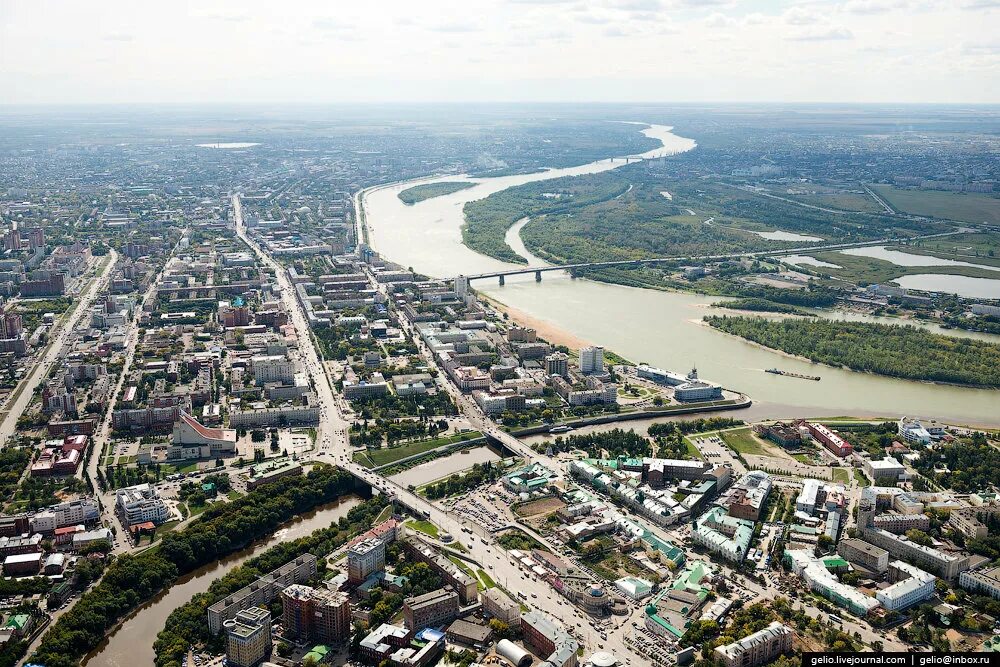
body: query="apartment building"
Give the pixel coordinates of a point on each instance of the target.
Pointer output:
(262, 591)
(248, 637)
(316, 614)
(760, 648)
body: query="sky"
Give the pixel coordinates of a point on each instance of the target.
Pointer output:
(380, 51)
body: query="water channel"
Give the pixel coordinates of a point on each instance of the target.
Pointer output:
(661, 328)
(131, 643)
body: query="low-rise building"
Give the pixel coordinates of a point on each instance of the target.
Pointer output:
(910, 585)
(550, 639)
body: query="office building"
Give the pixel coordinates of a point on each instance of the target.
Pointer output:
(592, 360)
(898, 523)
(139, 504)
(887, 470)
(549, 638)
(464, 584)
(749, 495)
(382, 642)
(430, 610)
(986, 582)
(815, 573)
(833, 442)
(364, 559)
(272, 368)
(316, 614)
(806, 501)
(501, 606)
(760, 648)
(945, 565)
(868, 556)
(248, 637)
(910, 585)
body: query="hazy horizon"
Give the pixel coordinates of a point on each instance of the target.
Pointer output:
(500, 52)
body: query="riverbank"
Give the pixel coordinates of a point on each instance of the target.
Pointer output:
(544, 328)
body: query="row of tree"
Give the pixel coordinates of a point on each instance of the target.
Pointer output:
(220, 530)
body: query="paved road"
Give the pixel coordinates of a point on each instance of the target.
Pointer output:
(332, 432)
(58, 338)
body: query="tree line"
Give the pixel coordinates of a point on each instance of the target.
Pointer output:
(222, 529)
(893, 350)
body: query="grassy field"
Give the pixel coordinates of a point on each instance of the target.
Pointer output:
(860, 476)
(841, 475)
(387, 455)
(486, 579)
(964, 206)
(425, 527)
(692, 451)
(743, 441)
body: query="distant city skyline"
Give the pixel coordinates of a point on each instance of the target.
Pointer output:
(661, 51)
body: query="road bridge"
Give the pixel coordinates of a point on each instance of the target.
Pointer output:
(503, 274)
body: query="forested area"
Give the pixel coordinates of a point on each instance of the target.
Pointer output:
(487, 220)
(894, 350)
(755, 304)
(457, 483)
(186, 625)
(419, 193)
(223, 528)
(972, 464)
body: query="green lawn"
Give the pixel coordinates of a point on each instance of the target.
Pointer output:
(425, 527)
(387, 455)
(486, 579)
(841, 475)
(860, 476)
(692, 451)
(743, 441)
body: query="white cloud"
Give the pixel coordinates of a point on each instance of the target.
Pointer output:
(801, 16)
(824, 34)
(719, 20)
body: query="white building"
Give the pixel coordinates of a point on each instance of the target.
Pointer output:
(592, 360)
(72, 513)
(140, 503)
(886, 470)
(912, 585)
(364, 559)
(806, 502)
(272, 368)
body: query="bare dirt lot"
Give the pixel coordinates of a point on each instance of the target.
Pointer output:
(539, 507)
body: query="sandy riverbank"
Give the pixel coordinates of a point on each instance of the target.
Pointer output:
(545, 329)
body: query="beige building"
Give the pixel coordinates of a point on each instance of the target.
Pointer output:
(760, 648)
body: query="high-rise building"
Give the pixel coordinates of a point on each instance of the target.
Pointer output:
(364, 559)
(248, 637)
(557, 363)
(592, 360)
(316, 613)
(11, 325)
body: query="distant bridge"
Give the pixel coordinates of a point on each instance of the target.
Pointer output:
(539, 270)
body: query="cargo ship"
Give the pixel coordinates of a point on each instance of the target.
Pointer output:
(776, 371)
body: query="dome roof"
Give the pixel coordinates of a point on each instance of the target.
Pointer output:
(603, 659)
(596, 591)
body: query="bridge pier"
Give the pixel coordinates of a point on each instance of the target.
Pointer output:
(502, 281)
(538, 276)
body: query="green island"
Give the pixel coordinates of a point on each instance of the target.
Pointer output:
(222, 529)
(419, 193)
(757, 304)
(900, 351)
(487, 220)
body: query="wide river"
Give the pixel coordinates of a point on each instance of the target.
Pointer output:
(660, 328)
(131, 643)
